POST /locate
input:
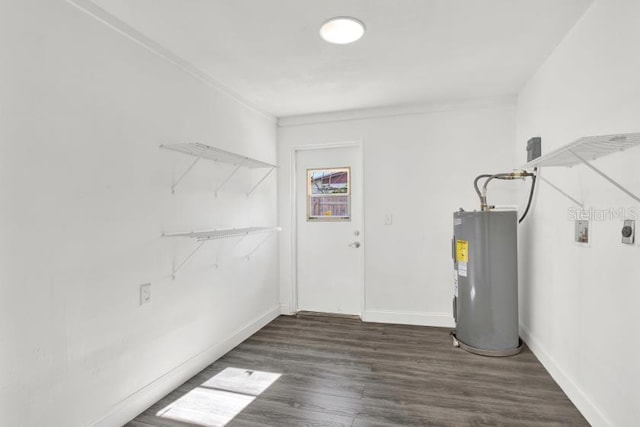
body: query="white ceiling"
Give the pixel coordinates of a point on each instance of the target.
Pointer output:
(414, 51)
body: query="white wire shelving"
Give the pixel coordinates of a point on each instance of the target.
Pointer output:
(584, 151)
(220, 233)
(223, 233)
(202, 151)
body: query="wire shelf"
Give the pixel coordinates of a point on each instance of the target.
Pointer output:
(586, 149)
(223, 233)
(203, 151)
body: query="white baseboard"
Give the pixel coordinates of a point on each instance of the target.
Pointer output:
(589, 410)
(409, 318)
(129, 408)
(285, 309)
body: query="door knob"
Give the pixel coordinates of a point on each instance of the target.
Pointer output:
(355, 244)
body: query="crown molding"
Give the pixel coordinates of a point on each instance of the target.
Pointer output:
(396, 110)
(93, 10)
(101, 15)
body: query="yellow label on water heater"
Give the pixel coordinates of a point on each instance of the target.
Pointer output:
(462, 251)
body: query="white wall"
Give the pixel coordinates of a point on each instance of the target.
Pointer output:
(579, 305)
(420, 168)
(85, 195)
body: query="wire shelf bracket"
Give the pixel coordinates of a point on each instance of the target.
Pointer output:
(175, 269)
(223, 233)
(261, 181)
(585, 150)
(177, 181)
(202, 151)
(215, 193)
(608, 178)
(248, 256)
(561, 191)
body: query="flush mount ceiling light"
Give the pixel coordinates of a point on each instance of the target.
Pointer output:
(342, 30)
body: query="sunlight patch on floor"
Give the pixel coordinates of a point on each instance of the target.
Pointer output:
(220, 399)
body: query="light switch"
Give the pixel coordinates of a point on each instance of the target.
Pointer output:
(388, 219)
(145, 293)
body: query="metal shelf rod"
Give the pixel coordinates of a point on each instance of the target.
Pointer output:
(605, 176)
(260, 182)
(227, 180)
(559, 190)
(181, 266)
(247, 256)
(175, 184)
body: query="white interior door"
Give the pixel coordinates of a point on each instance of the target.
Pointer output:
(329, 200)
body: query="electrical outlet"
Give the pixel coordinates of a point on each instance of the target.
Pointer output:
(145, 293)
(629, 232)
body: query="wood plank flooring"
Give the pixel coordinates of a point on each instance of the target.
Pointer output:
(343, 372)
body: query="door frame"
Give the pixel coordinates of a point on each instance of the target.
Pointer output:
(293, 291)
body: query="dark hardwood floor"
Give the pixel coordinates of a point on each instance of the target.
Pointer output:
(342, 372)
